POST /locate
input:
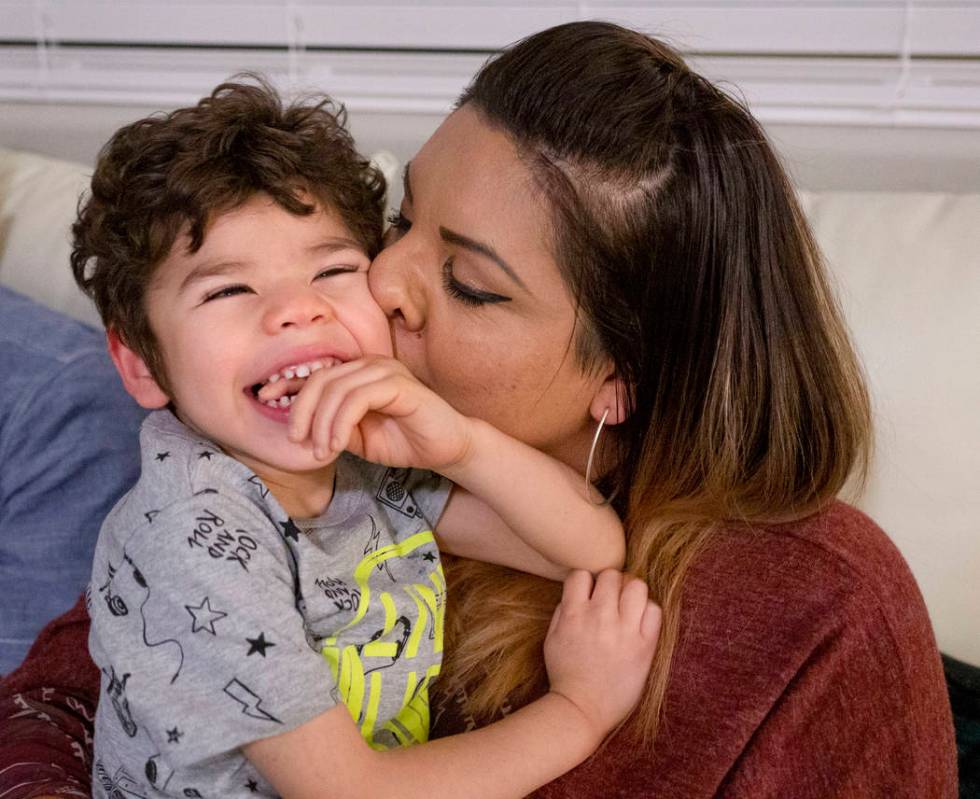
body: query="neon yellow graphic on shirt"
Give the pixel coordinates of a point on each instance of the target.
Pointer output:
(359, 684)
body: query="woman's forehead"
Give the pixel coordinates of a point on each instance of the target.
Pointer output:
(470, 177)
(469, 154)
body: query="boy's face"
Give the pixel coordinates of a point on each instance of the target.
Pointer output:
(267, 291)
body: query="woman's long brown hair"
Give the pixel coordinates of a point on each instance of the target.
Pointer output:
(679, 235)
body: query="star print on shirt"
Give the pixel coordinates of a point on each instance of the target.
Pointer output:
(290, 530)
(257, 482)
(204, 616)
(173, 736)
(252, 785)
(258, 645)
(162, 456)
(430, 557)
(206, 454)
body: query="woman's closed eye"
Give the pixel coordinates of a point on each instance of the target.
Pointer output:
(466, 294)
(399, 225)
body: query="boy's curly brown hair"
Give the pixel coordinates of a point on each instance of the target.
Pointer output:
(170, 173)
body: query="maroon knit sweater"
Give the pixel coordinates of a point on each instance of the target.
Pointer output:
(806, 668)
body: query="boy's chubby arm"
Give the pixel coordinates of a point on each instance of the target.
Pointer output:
(327, 757)
(598, 653)
(517, 507)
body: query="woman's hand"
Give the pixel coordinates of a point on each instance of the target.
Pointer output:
(375, 408)
(600, 645)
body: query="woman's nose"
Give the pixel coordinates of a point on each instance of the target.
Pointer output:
(297, 309)
(397, 288)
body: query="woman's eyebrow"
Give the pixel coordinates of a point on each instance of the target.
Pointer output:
(450, 237)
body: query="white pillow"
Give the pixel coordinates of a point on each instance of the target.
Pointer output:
(38, 201)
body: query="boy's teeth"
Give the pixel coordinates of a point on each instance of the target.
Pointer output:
(302, 370)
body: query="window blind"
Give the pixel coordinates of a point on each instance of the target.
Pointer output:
(901, 62)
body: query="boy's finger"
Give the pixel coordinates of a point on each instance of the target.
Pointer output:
(555, 617)
(321, 398)
(355, 406)
(577, 589)
(310, 397)
(301, 412)
(633, 601)
(651, 621)
(608, 587)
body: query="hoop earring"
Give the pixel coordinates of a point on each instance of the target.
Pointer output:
(588, 464)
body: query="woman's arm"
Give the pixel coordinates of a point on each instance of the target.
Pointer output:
(47, 708)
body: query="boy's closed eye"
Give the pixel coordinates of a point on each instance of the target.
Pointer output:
(241, 288)
(333, 271)
(227, 291)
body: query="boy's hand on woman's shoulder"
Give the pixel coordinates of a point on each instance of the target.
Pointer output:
(600, 645)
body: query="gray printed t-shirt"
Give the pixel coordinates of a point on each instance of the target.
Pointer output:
(217, 620)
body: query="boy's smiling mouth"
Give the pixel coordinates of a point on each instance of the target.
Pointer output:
(279, 388)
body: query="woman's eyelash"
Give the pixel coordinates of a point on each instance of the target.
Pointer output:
(467, 294)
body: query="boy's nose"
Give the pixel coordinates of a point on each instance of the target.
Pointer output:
(298, 309)
(397, 289)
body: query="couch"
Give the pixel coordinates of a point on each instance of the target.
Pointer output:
(907, 270)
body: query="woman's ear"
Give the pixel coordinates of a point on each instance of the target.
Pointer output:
(136, 377)
(611, 396)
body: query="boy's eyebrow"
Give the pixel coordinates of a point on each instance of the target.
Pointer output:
(451, 237)
(337, 244)
(208, 269)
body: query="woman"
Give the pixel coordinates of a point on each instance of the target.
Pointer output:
(599, 238)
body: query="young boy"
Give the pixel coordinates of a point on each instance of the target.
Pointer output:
(266, 611)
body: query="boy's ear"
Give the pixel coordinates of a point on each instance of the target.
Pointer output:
(135, 375)
(612, 396)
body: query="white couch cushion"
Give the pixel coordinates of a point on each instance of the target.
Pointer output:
(38, 199)
(907, 269)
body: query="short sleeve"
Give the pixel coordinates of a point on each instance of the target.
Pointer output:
(412, 498)
(198, 634)
(430, 492)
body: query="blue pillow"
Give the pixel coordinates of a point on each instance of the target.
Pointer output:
(69, 447)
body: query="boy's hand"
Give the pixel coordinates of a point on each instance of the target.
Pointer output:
(375, 408)
(600, 645)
